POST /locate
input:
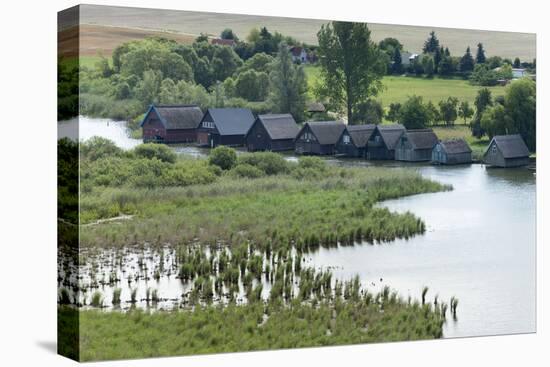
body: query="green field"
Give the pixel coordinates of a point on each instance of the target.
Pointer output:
(399, 88)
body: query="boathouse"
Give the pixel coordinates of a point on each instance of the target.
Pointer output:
(382, 142)
(353, 141)
(171, 123)
(274, 132)
(506, 151)
(224, 126)
(319, 137)
(415, 145)
(454, 151)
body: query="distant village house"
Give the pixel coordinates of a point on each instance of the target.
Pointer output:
(171, 123)
(299, 54)
(223, 42)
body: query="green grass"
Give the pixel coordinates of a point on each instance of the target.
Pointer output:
(256, 326)
(399, 88)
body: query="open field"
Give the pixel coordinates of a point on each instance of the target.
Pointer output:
(504, 44)
(399, 88)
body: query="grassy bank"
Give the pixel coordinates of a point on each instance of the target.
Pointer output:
(257, 326)
(262, 198)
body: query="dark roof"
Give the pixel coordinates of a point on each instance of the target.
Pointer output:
(511, 146)
(232, 121)
(296, 50)
(326, 132)
(316, 107)
(455, 146)
(280, 126)
(422, 138)
(177, 116)
(360, 134)
(391, 134)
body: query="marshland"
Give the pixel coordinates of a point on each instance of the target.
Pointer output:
(443, 239)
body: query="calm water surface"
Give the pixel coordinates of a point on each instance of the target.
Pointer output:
(479, 245)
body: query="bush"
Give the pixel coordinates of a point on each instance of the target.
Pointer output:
(268, 162)
(223, 157)
(247, 170)
(98, 147)
(151, 150)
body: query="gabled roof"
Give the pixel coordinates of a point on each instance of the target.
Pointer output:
(296, 50)
(326, 132)
(177, 116)
(422, 138)
(279, 126)
(391, 134)
(360, 134)
(455, 146)
(511, 146)
(232, 121)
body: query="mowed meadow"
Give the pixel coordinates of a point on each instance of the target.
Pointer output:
(397, 89)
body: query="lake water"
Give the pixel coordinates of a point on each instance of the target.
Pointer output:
(479, 245)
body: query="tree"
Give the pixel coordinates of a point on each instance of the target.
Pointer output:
(437, 59)
(352, 66)
(446, 65)
(431, 44)
(227, 34)
(467, 61)
(148, 89)
(480, 54)
(433, 113)
(413, 113)
(484, 76)
(465, 111)
(393, 113)
(223, 157)
(482, 102)
(252, 86)
(428, 65)
(517, 63)
(260, 62)
(397, 65)
(389, 45)
(448, 110)
(520, 104)
(203, 37)
(505, 72)
(494, 62)
(369, 112)
(288, 85)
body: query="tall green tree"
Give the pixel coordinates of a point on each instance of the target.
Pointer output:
(480, 54)
(467, 61)
(448, 110)
(414, 114)
(352, 66)
(431, 44)
(517, 62)
(288, 85)
(465, 111)
(397, 65)
(483, 101)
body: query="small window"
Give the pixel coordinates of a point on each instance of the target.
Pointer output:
(346, 139)
(494, 149)
(377, 139)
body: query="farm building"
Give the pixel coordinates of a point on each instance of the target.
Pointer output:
(507, 151)
(171, 124)
(382, 142)
(415, 145)
(299, 54)
(272, 132)
(353, 141)
(454, 151)
(319, 137)
(224, 126)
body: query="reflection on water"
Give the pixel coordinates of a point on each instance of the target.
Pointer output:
(479, 245)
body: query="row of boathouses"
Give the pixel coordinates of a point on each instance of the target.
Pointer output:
(280, 132)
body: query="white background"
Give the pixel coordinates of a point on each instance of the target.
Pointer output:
(28, 182)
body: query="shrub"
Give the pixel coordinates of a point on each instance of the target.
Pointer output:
(98, 147)
(159, 151)
(223, 157)
(247, 170)
(270, 163)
